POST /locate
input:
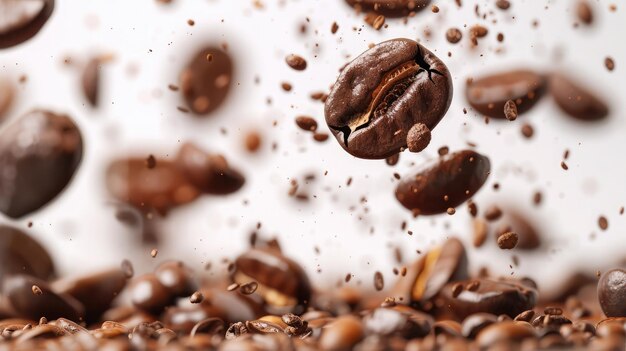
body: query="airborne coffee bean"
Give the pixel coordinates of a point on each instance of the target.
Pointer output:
(22, 20)
(390, 8)
(612, 293)
(382, 93)
(39, 154)
(21, 254)
(206, 80)
(91, 80)
(488, 95)
(575, 100)
(447, 183)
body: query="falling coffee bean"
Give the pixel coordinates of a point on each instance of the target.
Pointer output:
(448, 182)
(489, 94)
(296, 62)
(379, 282)
(205, 83)
(507, 241)
(389, 8)
(384, 92)
(21, 254)
(576, 101)
(22, 20)
(39, 154)
(510, 110)
(612, 293)
(454, 35)
(91, 80)
(584, 12)
(418, 137)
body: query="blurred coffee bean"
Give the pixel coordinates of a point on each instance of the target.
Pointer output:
(445, 183)
(95, 291)
(506, 297)
(210, 173)
(7, 95)
(515, 221)
(148, 294)
(389, 8)
(184, 319)
(282, 283)
(427, 276)
(39, 154)
(19, 253)
(22, 20)
(206, 80)
(90, 80)
(509, 331)
(18, 290)
(176, 277)
(489, 94)
(398, 320)
(341, 334)
(612, 293)
(476, 322)
(575, 100)
(160, 188)
(234, 306)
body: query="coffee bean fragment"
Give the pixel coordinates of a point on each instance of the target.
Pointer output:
(379, 282)
(22, 20)
(248, 288)
(609, 63)
(296, 62)
(527, 130)
(603, 223)
(480, 232)
(389, 8)
(454, 35)
(418, 137)
(334, 27)
(206, 80)
(196, 297)
(21, 254)
(510, 110)
(507, 241)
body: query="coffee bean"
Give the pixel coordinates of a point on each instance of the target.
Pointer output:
(454, 35)
(39, 154)
(252, 141)
(515, 221)
(248, 288)
(184, 319)
(489, 94)
(205, 83)
(149, 294)
(507, 241)
(18, 289)
(480, 232)
(576, 101)
(409, 85)
(473, 324)
(510, 110)
(211, 326)
(342, 333)
(418, 137)
(398, 320)
(493, 213)
(508, 331)
(389, 8)
(21, 20)
(527, 130)
(210, 173)
(603, 223)
(608, 62)
(176, 277)
(90, 80)
(160, 188)
(584, 12)
(612, 293)
(196, 297)
(95, 291)
(7, 96)
(296, 62)
(306, 123)
(379, 282)
(21, 254)
(495, 297)
(447, 183)
(503, 4)
(282, 283)
(526, 316)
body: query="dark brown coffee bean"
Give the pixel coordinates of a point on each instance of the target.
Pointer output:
(296, 62)
(43, 331)
(513, 221)
(176, 277)
(236, 330)
(149, 294)
(399, 83)
(21, 254)
(22, 20)
(389, 8)
(282, 283)
(507, 331)
(262, 327)
(608, 62)
(507, 241)
(495, 297)
(503, 4)
(91, 80)
(425, 279)
(69, 326)
(196, 297)
(248, 288)
(7, 95)
(476, 322)
(454, 35)
(342, 333)
(206, 80)
(253, 141)
(18, 290)
(526, 316)
(210, 173)
(306, 123)
(95, 291)
(418, 137)
(584, 12)
(39, 154)
(575, 100)
(234, 307)
(211, 326)
(612, 293)
(445, 183)
(489, 94)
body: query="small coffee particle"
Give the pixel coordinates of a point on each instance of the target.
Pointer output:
(286, 86)
(306, 123)
(232, 287)
(527, 131)
(451, 211)
(473, 286)
(500, 37)
(609, 63)
(154, 253)
(503, 4)
(510, 110)
(151, 162)
(457, 289)
(248, 288)
(379, 282)
(472, 208)
(348, 277)
(435, 9)
(320, 137)
(252, 141)
(379, 21)
(127, 268)
(584, 12)
(564, 165)
(296, 62)
(393, 160)
(36, 290)
(334, 27)
(537, 197)
(418, 137)
(196, 297)
(454, 35)
(507, 241)
(603, 223)
(493, 213)
(191, 22)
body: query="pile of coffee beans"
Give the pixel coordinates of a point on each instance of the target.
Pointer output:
(384, 101)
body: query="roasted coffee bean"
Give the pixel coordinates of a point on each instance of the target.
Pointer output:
(160, 188)
(95, 291)
(236, 330)
(7, 95)
(176, 277)
(39, 154)
(444, 183)
(495, 297)
(489, 94)
(473, 324)
(282, 283)
(306, 123)
(584, 12)
(262, 327)
(210, 326)
(342, 333)
(69, 326)
(210, 173)
(149, 294)
(425, 278)
(206, 80)
(515, 221)
(296, 62)
(22, 20)
(526, 316)
(454, 35)
(507, 241)
(398, 320)
(43, 331)
(184, 319)
(382, 93)
(612, 293)
(418, 137)
(507, 331)
(90, 80)
(390, 8)
(575, 100)
(19, 253)
(547, 320)
(18, 290)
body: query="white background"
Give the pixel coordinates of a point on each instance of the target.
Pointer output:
(138, 114)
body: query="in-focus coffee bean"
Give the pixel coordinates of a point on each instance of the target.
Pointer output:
(384, 92)
(612, 293)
